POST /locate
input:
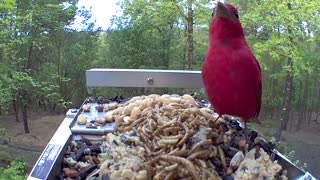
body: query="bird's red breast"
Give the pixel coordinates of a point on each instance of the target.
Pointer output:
(230, 72)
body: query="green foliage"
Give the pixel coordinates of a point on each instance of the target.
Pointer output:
(43, 60)
(3, 132)
(5, 157)
(153, 35)
(279, 31)
(268, 124)
(4, 138)
(291, 156)
(281, 148)
(7, 4)
(40, 57)
(15, 170)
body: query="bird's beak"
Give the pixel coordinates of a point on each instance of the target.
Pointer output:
(222, 11)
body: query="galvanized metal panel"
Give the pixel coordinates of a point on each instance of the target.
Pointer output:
(49, 163)
(77, 128)
(143, 78)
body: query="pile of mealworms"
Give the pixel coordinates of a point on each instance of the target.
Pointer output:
(176, 136)
(173, 138)
(180, 140)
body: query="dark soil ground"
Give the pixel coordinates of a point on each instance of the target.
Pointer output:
(305, 143)
(42, 126)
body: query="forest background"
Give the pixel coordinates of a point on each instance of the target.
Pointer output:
(43, 60)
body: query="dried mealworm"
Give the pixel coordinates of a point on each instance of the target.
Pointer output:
(188, 164)
(170, 123)
(163, 163)
(172, 129)
(179, 136)
(182, 172)
(184, 139)
(199, 144)
(146, 148)
(226, 140)
(211, 176)
(203, 175)
(168, 141)
(184, 147)
(181, 153)
(214, 151)
(157, 153)
(172, 167)
(136, 122)
(202, 163)
(160, 175)
(144, 139)
(102, 138)
(151, 124)
(222, 157)
(210, 165)
(186, 135)
(169, 176)
(150, 162)
(145, 130)
(197, 154)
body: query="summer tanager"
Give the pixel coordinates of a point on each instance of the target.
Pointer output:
(231, 74)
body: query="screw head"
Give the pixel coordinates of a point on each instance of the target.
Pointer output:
(150, 80)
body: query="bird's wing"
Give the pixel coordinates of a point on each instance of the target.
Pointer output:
(259, 91)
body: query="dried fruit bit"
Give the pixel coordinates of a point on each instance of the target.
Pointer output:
(100, 108)
(70, 173)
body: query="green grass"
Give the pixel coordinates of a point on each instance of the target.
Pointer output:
(270, 124)
(15, 171)
(5, 157)
(292, 157)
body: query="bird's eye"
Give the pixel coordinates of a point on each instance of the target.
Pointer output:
(213, 12)
(237, 15)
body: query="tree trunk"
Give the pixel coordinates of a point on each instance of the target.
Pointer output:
(25, 119)
(303, 104)
(306, 91)
(24, 108)
(309, 116)
(273, 93)
(190, 34)
(318, 103)
(60, 70)
(287, 99)
(29, 63)
(184, 50)
(284, 116)
(16, 109)
(317, 116)
(301, 114)
(314, 100)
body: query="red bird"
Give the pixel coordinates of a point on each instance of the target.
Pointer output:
(230, 73)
